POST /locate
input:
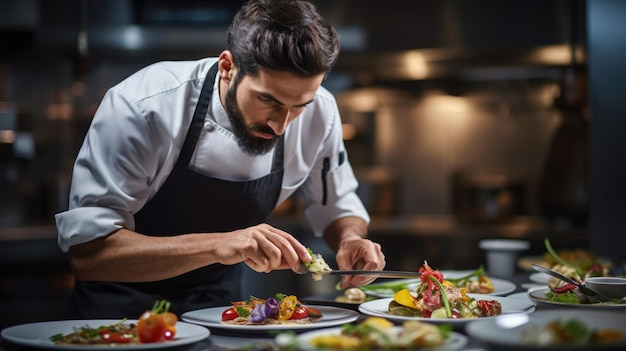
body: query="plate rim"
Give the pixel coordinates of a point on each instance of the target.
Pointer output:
(202, 333)
(544, 300)
(461, 339)
(459, 321)
(351, 316)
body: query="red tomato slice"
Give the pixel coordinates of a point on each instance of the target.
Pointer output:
(299, 313)
(229, 314)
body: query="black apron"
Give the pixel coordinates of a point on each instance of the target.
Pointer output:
(188, 202)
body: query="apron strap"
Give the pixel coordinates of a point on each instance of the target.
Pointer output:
(198, 117)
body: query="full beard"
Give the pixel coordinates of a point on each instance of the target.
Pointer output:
(250, 144)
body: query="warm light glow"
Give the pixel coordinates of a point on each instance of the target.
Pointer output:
(60, 111)
(556, 55)
(349, 131)
(415, 65)
(363, 102)
(448, 103)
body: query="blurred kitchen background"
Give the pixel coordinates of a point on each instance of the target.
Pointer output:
(463, 120)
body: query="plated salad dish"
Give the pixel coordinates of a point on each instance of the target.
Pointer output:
(375, 333)
(567, 293)
(557, 329)
(155, 325)
(436, 297)
(474, 281)
(571, 331)
(279, 309)
(154, 329)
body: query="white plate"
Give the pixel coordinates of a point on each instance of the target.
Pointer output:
(539, 296)
(500, 286)
(380, 308)
(521, 296)
(540, 278)
(38, 335)
(526, 263)
(456, 341)
(508, 330)
(212, 317)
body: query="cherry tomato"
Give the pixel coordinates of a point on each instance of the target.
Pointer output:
(229, 314)
(157, 324)
(151, 327)
(170, 318)
(299, 313)
(169, 333)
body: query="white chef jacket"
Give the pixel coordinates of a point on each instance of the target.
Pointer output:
(138, 131)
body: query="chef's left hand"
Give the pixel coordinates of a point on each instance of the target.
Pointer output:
(362, 254)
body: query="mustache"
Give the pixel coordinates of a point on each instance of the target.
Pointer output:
(263, 129)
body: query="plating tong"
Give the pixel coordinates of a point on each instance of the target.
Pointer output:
(381, 274)
(583, 289)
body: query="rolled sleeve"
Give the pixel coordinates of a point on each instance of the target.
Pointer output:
(102, 221)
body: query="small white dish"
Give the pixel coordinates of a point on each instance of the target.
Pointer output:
(612, 287)
(539, 278)
(502, 255)
(504, 244)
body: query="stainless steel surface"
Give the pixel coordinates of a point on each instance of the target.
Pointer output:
(382, 274)
(585, 290)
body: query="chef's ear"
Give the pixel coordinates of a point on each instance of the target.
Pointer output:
(226, 66)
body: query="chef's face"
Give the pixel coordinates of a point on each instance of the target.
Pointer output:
(260, 108)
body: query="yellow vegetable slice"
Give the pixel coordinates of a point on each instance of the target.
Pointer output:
(287, 306)
(405, 298)
(378, 322)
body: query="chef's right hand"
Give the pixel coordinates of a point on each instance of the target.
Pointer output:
(263, 248)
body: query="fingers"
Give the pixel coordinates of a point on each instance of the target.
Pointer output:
(265, 248)
(363, 255)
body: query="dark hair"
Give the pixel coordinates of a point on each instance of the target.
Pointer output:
(282, 35)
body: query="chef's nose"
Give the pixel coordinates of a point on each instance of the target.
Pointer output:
(279, 121)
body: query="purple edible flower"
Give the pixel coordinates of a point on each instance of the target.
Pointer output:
(258, 314)
(271, 307)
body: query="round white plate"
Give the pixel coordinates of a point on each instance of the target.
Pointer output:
(212, 317)
(500, 286)
(456, 341)
(526, 263)
(509, 330)
(521, 296)
(539, 296)
(539, 278)
(38, 335)
(380, 308)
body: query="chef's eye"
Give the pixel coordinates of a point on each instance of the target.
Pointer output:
(265, 99)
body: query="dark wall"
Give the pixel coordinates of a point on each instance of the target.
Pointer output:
(607, 87)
